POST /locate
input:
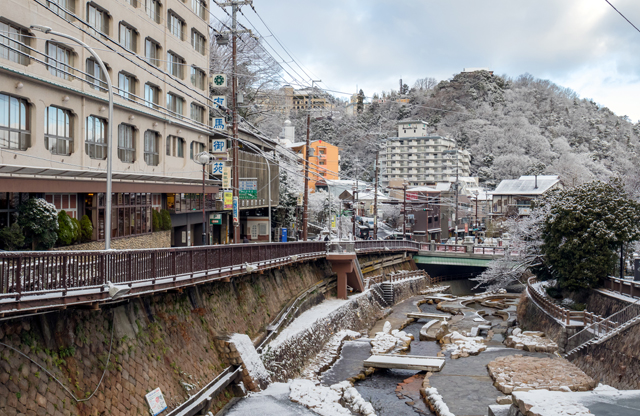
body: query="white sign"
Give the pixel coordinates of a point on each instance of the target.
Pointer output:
(219, 123)
(221, 100)
(156, 401)
(219, 145)
(218, 80)
(217, 168)
(226, 177)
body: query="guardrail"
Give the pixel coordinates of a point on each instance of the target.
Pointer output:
(381, 245)
(564, 315)
(623, 286)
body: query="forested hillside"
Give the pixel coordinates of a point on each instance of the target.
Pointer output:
(510, 126)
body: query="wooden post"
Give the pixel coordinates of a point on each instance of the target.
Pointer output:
(18, 277)
(65, 263)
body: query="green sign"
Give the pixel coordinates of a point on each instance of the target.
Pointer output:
(248, 189)
(215, 219)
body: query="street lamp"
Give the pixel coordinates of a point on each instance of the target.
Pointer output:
(204, 159)
(452, 152)
(103, 68)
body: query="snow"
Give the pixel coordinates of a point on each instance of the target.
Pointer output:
(325, 401)
(437, 402)
(462, 346)
(250, 358)
(328, 354)
(307, 319)
(549, 403)
(388, 339)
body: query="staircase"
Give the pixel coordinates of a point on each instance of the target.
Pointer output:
(599, 332)
(387, 292)
(378, 295)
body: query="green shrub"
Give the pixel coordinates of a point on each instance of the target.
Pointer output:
(554, 292)
(579, 306)
(86, 228)
(78, 229)
(156, 221)
(11, 238)
(39, 221)
(166, 219)
(67, 230)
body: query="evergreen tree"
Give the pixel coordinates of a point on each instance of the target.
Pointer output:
(39, 222)
(11, 238)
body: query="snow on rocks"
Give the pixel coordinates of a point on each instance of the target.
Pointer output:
(250, 358)
(326, 401)
(436, 402)
(530, 341)
(388, 339)
(517, 373)
(548, 403)
(328, 355)
(462, 346)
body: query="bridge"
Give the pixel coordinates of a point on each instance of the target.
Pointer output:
(449, 259)
(33, 282)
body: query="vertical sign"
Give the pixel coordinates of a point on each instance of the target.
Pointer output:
(221, 100)
(300, 199)
(228, 200)
(226, 177)
(333, 221)
(156, 401)
(236, 217)
(219, 146)
(217, 168)
(219, 123)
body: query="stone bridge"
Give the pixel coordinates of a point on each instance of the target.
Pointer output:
(32, 282)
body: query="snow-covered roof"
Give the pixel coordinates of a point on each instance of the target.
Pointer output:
(443, 186)
(422, 189)
(526, 185)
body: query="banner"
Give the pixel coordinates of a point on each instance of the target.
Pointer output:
(226, 178)
(236, 216)
(228, 200)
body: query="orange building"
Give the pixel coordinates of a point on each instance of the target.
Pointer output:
(324, 160)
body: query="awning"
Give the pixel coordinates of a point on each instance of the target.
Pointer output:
(434, 230)
(451, 261)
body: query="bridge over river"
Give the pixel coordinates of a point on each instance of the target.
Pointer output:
(455, 261)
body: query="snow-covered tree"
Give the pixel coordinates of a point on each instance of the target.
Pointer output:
(39, 221)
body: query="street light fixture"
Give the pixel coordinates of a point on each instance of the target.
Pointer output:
(204, 159)
(103, 68)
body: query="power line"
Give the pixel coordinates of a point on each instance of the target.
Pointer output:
(623, 16)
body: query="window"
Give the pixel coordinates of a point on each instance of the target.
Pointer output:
(98, 19)
(199, 8)
(174, 104)
(151, 95)
(175, 65)
(95, 77)
(128, 37)
(59, 60)
(13, 43)
(14, 123)
(127, 86)
(197, 77)
(175, 25)
(198, 41)
(152, 51)
(61, 7)
(197, 113)
(95, 145)
(195, 148)
(151, 144)
(57, 131)
(126, 143)
(175, 146)
(152, 8)
(134, 3)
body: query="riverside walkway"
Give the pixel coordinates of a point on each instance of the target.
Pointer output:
(32, 282)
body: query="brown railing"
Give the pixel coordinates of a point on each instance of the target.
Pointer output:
(56, 271)
(623, 286)
(564, 315)
(450, 248)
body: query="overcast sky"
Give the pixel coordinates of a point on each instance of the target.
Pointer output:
(581, 44)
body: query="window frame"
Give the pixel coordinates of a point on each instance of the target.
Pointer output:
(200, 109)
(155, 60)
(199, 7)
(198, 77)
(94, 147)
(175, 23)
(152, 153)
(154, 12)
(175, 146)
(148, 87)
(56, 138)
(126, 154)
(175, 64)
(200, 45)
(173, 102)
(24, 116)
(96, 79)
(99, 14)
(127, 94)
(19, 40)
(63, 10)
(60, 69)
(132, 45)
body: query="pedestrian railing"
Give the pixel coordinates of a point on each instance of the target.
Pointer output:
(623, 286)
(383, 245)
(563, 315)
(451, 248)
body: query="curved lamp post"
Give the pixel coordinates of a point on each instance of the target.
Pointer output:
(204, 159)
(103, 68)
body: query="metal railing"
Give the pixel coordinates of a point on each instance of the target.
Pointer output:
(599, 329)
(381, 245)
(59, 271)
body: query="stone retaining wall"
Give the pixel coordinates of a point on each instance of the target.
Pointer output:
(159, 239)
(532, 318)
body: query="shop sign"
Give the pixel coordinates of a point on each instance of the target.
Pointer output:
(226, 177)
(156, 402)
(228, 200)
(236, 216)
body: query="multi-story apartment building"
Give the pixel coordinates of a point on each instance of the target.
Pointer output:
(324, 161)
(53, 111)
(420, 159)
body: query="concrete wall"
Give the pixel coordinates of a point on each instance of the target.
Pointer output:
(159, 239)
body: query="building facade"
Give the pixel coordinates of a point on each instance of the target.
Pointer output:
(513, 197)
(420, 159)
(54, 118)
(324, 160)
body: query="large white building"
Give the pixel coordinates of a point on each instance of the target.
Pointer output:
(420, 159)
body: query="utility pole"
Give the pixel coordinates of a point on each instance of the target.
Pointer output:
(354, 203)
(305, 214)
(404, 218)
(235, 182)
(375, 201)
